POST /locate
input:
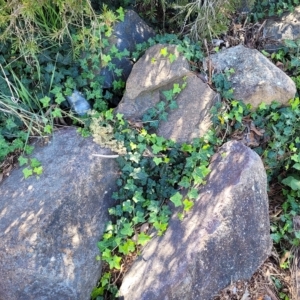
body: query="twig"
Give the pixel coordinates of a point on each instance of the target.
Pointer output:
(106, 156)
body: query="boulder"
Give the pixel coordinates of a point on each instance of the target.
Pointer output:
(150, 75)
(126, 35)
(225, 237)
(154, 73)
(192, 117)
(50, 226)
(256, 79)
(276, 30)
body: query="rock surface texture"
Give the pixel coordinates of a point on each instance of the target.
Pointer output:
(126, 35)
(224, 238)
(277, 30)
(49, 227)
(155, 73)
(255, 78)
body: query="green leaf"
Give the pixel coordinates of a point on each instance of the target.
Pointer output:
(296, 166)
(180, 216)
(28, 149)
(157, 160)
(176, 199)
(164, 51)
(59, 98)
(290, 44)
(172, 57)
(121, 13)
(48, 129)
(56, 113)
(187, 204)
(185, 182)
(106, 59)
(22, 160)
(156, 149)
(262, 106)
(127, 247)
(193, 193)
(45, 101)
(34, 163)
(168, 94)
(113, 261)
(292, 182)
(176, 88)
(38, 170)
(143, 239)
(27, 172)
(127, 229)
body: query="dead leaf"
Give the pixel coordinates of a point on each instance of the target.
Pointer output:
(259, 132)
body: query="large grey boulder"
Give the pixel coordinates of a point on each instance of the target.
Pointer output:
(224, 238)
(49, 227)
(126, 35)
(155, 73)
(255, 79)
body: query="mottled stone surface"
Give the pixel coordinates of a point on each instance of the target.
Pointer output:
(155, 73)
(151, 74)
(192, 117)
(225, 237)
(255, 79)
(126, 35)
(276, 30)
(49, 227)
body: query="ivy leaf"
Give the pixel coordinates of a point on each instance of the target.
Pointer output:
(156, 149)
(106, 59)
(114, 49)
(296, 166)
(56, 113)
(121, 13)
(262, 106)
(176, 199)
(22, 160)
(185, 182)
(127, 206)
(127, 247)
(59, 98)
(168, 95)
(164, 51)
(28, 149)
(187, 204)
(176, 88)
(172, 57)
(143, 239)
(161, 227)
(38, 170)
(27, 172)
(48, 129)
(34, 163)
(193, 193)
(293, 182)
(139, 218)
(45, 101)
(113, 261)
(173, 105)
(157, 160)
(127, 229)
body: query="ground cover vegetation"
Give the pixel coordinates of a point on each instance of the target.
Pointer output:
(51, 48)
